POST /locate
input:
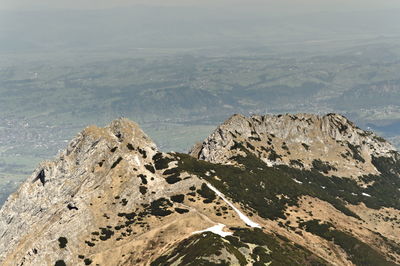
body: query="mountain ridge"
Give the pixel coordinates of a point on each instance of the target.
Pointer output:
(111, 198)
(314, 135)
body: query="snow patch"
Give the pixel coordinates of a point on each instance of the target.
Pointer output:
(297, 181)
(216, 229)
(365, 194)
(243, 217)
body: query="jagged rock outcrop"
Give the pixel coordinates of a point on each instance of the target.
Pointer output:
(294, 153)
(87, 196)
(298, 140)
(111, 198)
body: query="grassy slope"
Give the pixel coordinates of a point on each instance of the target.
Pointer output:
(266, 183)
(210, 249)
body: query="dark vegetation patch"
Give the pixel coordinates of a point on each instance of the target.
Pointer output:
(206, 193)
(116, 162)
(379, 138)
(181, 211)
(345, 155)
(307, 147)
(114, 149)
(128, 216)
(237, 182)
(296, 163)
(283, 252)
(172, 179)
(342, 128)
(131, 218)
(161, 162)
(384, 191)
(197, 249)
(60, 263)
(90, 244)
(87, 261)
(171, 171)
(150, 168)
(203, 248)
(390, 243)
(143, 178)
(130, 147)
(173, 175)
(321, 166)
(250, 146)
(160, 207)
(356, 152)
(124, 202)
(284, 146)
(256, 138)
(178, 198)
(272, 156)
(143, 189)
(105, 233)
(71, 206)
(62, 242)
(359, 252)
(142, 152)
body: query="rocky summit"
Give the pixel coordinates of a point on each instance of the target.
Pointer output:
(262, 190)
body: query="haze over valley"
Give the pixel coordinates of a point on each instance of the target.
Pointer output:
(181, 70)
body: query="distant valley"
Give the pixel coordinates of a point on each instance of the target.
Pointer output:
(180, 97)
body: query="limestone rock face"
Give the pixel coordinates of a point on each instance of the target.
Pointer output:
(302, 140)
(68, 191)
(290, 189)
(104, 183)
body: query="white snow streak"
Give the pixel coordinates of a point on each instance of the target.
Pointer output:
(297, 181)
(243, 217)
(216, 229)
(365, 194)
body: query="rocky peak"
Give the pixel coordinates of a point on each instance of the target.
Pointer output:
(97, 163)
(331, 143)
(111, 198)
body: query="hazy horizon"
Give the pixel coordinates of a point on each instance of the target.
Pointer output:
(179, 68)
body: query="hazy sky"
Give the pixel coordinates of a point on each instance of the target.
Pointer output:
(189, 23)
(302, 5)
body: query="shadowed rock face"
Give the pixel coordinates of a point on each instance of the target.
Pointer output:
(323, 191)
